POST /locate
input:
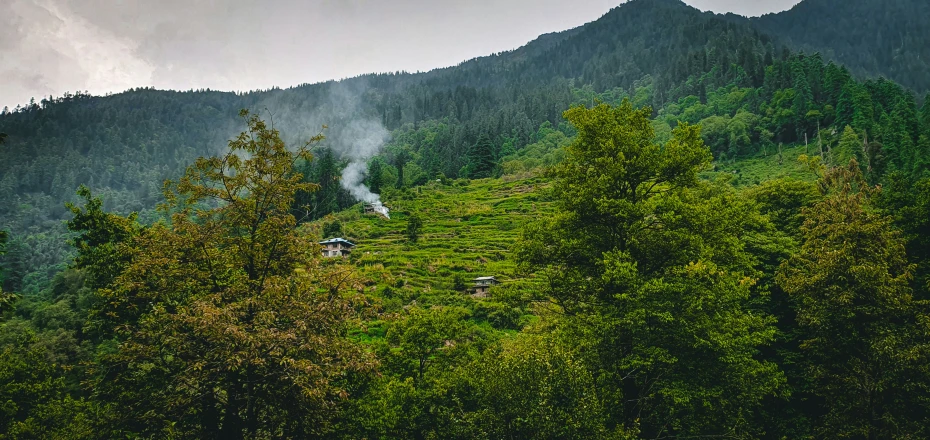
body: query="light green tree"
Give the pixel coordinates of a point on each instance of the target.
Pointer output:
(849, 148)
(647, 263)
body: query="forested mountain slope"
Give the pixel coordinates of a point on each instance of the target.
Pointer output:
(469, 120)
(700, 234)
(870, 37)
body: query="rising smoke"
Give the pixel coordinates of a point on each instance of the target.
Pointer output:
(355, 132)
(363, 140)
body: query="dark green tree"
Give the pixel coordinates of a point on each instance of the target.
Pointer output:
(374, 176)
(36, 403)
(6, 299)
(865, 342)
(803, 98)
(414, 228)
(327, 177)
(400, 160)
(332, 229)
(481, 160)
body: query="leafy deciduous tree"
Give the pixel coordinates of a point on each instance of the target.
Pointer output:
(236, 334)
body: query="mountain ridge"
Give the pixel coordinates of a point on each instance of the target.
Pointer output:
(655, 52)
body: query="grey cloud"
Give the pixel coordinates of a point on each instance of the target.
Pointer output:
(51, 46)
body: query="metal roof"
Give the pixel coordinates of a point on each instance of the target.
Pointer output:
(484, 279)
(338, 240)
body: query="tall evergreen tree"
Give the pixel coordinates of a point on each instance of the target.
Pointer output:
(803, 97)
(375, 176)
(481, 160)
(6, 299)
(327, 177)
(400, 161)
(849, 147)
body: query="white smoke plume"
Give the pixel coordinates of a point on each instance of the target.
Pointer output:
(363, 139)
(355, 133)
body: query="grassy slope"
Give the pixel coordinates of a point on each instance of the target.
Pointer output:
(754, 170)
(470, 229)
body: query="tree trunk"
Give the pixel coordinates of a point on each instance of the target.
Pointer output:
(232, 423)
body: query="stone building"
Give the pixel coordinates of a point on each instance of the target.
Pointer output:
(337, 247)
(483, 285)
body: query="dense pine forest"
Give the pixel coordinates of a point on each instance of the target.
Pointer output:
(705, 226)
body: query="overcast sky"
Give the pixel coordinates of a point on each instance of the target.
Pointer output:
(48, 47)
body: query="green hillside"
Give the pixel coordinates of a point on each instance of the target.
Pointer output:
(886, 38)
(701, 231)
(471, 226)
(749, 90)
(469, 231)
(754, 170)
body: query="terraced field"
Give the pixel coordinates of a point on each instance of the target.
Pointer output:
(470, 227)
(469, 230)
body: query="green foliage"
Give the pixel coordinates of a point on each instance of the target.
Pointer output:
(236, 309)
(414, 226)
(458, 283)
(420, 334)
(6, 299)
(481, 159)
(532, 388)
(101, 240)
(783, 200)
(907, 202)
(33, 398)
(647, 260)
(865, 340)
(332, 229)
(375, 176)
(849, 148)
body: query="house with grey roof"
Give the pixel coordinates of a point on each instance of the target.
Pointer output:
(336, 247)
(483, 286)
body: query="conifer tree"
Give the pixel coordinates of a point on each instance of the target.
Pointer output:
(374, 176)
(849, 147)
(6, 299)
(328, 189)
(481, 161)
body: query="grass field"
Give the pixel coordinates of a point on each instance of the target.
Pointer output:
(755, 170)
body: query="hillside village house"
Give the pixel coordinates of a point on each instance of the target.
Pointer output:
(337, 247)
(483, 285)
